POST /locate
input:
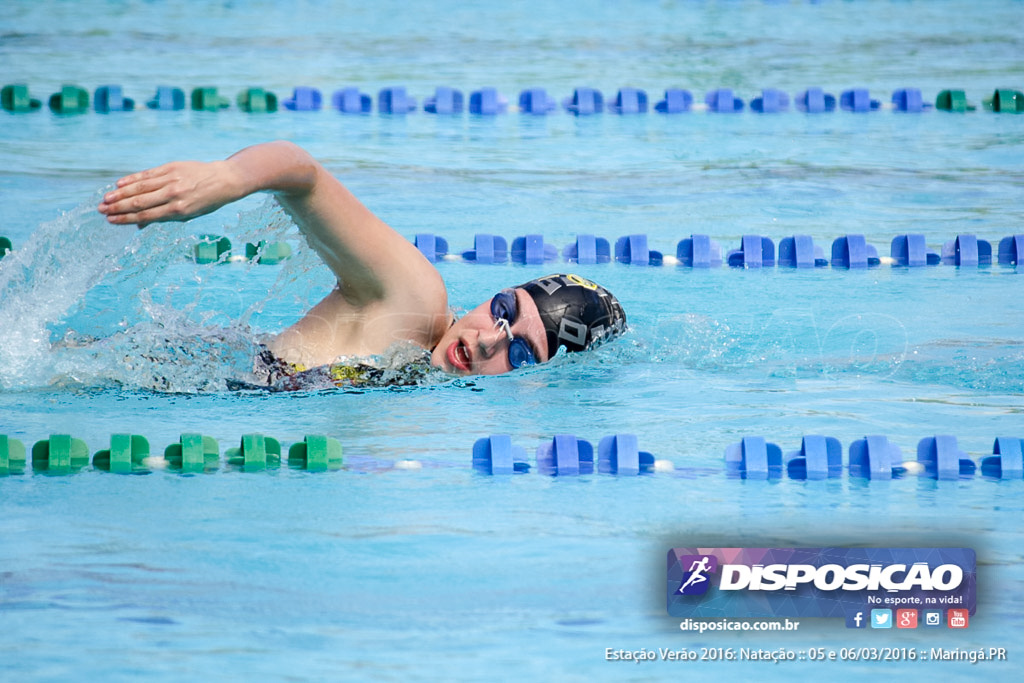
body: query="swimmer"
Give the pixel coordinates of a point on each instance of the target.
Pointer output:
(387, 291)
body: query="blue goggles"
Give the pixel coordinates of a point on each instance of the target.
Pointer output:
(504, 309)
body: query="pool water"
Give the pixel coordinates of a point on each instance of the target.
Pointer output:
(385, 572)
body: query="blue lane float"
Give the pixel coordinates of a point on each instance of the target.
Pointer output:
(849, 252)
(753, 458)
(395, 100)
(351, 101)
(1011, 250)
(723, 101)
(587, 250)
(943, 459)
(433, 247)
(771, 101)
(629, 101)
(565, 455)
(699, 251)
(167, 98)
(858, 100)
(967, 251)
(755, 251)
(620, 454)
(815, 101)
(444, 101)
(875, 457)
(819, 457)
(536, 101)
(872, 457)
(853, 252)
(799, 251)
(487, 249)
(496, 455)
(909, 100)
(109, 98)
(633, 250)
(487, 102)
(911, 251)
(584, 102)
(677, 101)
(531, 250)
(1006, 461)
(304, 98)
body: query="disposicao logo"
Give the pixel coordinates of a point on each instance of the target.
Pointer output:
(819, 582)
(696, 581)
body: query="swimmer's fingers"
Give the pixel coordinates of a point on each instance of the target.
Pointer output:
(173, 192)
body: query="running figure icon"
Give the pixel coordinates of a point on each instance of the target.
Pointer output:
(697, 570)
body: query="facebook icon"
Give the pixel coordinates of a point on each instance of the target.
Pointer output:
(856, 620)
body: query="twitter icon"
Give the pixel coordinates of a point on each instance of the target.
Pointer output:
(881, 618)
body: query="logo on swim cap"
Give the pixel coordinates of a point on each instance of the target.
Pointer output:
(576, 312)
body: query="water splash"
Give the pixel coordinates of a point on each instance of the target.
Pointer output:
(85, 304)
(82, 303)
(45, 279)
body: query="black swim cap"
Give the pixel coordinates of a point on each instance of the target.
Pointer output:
(576, 312)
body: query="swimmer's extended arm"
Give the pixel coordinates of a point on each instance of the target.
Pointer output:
(378, 270)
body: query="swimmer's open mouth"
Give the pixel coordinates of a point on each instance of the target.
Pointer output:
(458, 356)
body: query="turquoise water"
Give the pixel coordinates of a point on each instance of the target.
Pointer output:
(377, 572)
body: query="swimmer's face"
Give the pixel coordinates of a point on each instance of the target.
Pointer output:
(477, 345)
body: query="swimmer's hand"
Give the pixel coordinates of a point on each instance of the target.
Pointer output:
(177, 191)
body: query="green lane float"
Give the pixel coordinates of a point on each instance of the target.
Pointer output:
(316, 453)
(211, 249)
(60, 454)
(193, 454)
(70, 100)
(255, 453)
(1006, 101)
(12, 456)
(257, 101)
(5, 246)
(16, 99)
(127, 454)
(207, 99)
(268, 253)
(953, 100)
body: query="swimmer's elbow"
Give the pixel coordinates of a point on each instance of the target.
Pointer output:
(281, 167)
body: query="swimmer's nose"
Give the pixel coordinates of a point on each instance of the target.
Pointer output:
(492, 341)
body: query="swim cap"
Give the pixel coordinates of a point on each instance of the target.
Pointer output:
(576, 312)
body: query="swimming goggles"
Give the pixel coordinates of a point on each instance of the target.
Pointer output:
(504, 308)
